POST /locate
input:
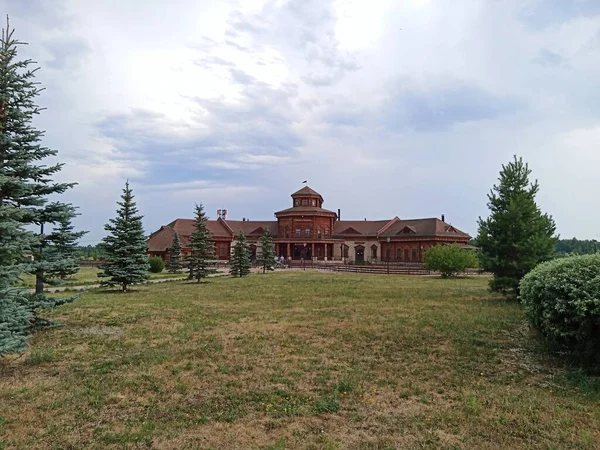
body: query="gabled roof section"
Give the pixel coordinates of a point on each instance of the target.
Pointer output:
(408, 229)
(387, 226)
(349, 230)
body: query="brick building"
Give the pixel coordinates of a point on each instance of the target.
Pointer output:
(307, 230)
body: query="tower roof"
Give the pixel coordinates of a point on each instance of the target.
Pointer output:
(306, 192)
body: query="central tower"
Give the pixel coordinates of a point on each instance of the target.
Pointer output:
(305, 229)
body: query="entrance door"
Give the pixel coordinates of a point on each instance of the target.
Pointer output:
(297, 252)
(359, 253)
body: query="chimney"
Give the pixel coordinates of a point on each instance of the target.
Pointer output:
(443, 217)
(338, 214)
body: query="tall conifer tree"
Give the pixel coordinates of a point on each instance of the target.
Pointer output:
(25, 184)
(174, 263)
(240, 258)
(125, 246)
(516, 236)
(266, 256)
(201, 260)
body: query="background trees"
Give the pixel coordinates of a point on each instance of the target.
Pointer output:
(125, 246)
(516, 236)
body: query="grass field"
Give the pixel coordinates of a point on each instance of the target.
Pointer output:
(87, 276)
(295, 360)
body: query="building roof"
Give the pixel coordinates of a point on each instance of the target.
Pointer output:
(306, 192)
(305, 210)
(253, 227)
(423, 227)
(396, 228)
(358, 227)
(162, 239)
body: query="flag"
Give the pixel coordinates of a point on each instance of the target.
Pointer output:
(304, 182)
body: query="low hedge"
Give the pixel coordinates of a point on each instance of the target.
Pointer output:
(562, 300)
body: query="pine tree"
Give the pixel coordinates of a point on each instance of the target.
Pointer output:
(125, 246)
(266, 257)
(201, 260)
(517, 236)
(174, 263)
(25, 184)
(240, 258)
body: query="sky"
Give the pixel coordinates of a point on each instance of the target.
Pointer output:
(387, 108)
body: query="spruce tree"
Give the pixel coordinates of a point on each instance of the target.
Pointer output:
(125, 247)
(240, 258)
(266, 256)
(516, 236)
(201, 260)
(25, 184)
(174, 263)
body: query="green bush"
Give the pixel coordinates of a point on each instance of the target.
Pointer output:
(156, 264)
(449, 260)
(562, 301)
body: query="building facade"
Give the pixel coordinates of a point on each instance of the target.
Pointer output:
(308, 231)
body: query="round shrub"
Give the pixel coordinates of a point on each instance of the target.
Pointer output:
(562, 300)
(156, 264)
(449, 260)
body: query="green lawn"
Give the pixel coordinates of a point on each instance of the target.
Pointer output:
(295, 360)
(88, 275)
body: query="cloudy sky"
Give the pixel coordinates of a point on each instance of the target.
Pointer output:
(386, 107)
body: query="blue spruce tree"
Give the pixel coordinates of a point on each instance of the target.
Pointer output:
(25, 184)
(125, 246)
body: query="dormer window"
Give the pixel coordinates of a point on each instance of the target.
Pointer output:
(314, 203)
(297, 202)
(304, 202)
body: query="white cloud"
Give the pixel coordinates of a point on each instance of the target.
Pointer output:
(388, 108)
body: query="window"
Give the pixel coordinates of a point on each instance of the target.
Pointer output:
(297, 202)
(389, 254)
(326, 232)
(414, 254)
(399, 255)
(374, 252)
(345, 251)
(307, 232)
(305, 202)
(221, 251)
(297, 232)
(406, 254)
(314, 203)
(319, 233)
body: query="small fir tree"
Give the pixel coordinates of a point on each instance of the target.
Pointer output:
(516, 236)
(266, 256)
(25, 184)
(201, 259)
(125, 247)
(63, 250)
(240, 258)
(174, 264)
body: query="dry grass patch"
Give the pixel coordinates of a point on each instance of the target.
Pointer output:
(294, 360)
